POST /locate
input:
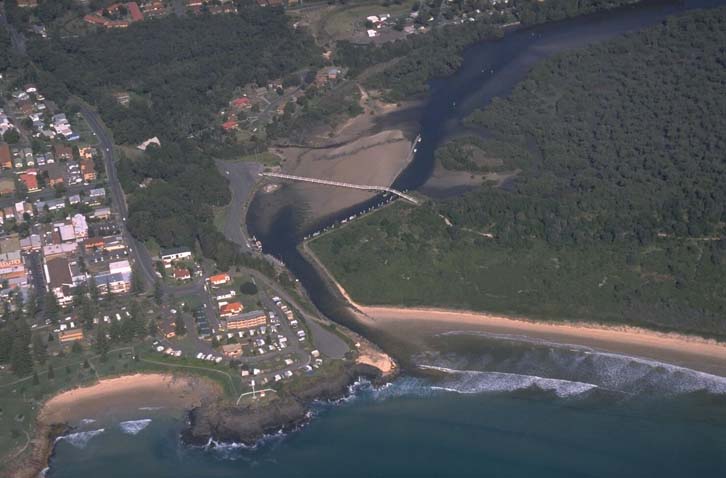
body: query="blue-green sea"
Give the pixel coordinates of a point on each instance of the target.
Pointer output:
(484, 406)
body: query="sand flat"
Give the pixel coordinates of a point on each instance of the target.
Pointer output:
(372, 160)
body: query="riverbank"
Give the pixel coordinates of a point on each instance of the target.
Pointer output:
(113, 397)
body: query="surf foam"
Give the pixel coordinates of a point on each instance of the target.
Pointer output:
(134, 427)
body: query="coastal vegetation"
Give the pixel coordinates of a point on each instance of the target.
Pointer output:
(616, 214)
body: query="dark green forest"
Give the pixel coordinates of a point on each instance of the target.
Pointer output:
(617, 214)
(180, 70)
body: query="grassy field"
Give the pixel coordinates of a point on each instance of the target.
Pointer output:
(345, 21)
(266, 158)
(408, 256)
(220, 217)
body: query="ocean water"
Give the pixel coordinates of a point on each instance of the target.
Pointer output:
(480, 406)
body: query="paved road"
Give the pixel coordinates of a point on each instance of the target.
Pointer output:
(242, 176)
(138, 251)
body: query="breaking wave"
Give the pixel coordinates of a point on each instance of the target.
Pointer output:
(572, 363)
(134, 427)
(472, 381)
(80, 439)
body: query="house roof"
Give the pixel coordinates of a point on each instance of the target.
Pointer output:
(30, 180)
(181, 273)
(5, 155)
(58, 272)
(134, 11)
(219, 278)
(231, 308)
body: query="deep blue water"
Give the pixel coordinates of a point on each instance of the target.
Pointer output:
(499, 408)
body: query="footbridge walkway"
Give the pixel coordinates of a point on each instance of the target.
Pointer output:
(327, 182)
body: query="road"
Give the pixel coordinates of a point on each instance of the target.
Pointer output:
(139, 253)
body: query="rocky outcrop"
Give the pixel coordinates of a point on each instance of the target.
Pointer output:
(225, 422)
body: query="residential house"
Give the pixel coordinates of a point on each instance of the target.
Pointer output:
(182, 273)
(56, 174)
(170, 255)
(220, 279)
(88, 170)
(228, 310)
(7, 186)
(30, 179)
(62, 152)
(12, 269)
(80, 227)
(6, 159)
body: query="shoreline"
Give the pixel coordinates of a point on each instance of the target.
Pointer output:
(414, 324)
(123, 394)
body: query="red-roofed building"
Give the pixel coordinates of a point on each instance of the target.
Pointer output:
(242, 102)
(220, 279)
(135, 12)
(229, 125)
(230, 309)
(182, 273)
(30, 179)
(6, 159)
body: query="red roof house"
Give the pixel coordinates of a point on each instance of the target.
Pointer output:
(242, 102)
(182, 273)
(134, 11)
(229, 125)
(231, 309)
(29, 178)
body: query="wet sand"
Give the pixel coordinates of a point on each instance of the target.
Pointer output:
(374, 160)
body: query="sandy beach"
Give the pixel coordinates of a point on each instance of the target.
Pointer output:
(688, 351)
(127, 393)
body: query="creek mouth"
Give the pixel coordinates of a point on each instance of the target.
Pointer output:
(489, 69)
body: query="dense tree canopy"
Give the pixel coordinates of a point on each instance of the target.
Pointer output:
(621, 140)
(179, 70)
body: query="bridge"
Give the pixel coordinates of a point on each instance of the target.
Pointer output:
(363, 187)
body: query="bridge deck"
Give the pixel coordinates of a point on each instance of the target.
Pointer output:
(327, 182)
